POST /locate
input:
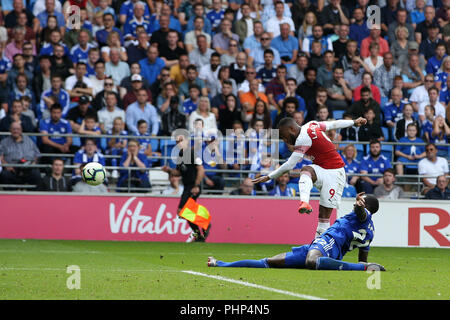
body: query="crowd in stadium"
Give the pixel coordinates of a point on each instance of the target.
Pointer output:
(147, 68)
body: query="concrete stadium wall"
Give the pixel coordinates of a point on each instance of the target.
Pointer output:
(234, 219)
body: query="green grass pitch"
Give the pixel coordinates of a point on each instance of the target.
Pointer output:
(37, 269)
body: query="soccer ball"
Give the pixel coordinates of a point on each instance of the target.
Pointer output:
(93, 173)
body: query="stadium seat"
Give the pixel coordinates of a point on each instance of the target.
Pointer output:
(349, 192)
(385, 133)
(158, 179)
(386, 150)
(273, 116)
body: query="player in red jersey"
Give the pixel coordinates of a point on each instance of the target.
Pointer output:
(327, 171)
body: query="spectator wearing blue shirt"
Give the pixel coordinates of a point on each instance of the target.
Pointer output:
(55, 125)
(286, 44)
(253, 42)
(373, 163)
(5, 63)
(152, 65)
(441, 76)
(50, 10)
(418, 14)
(267, 71)
(435, 62)
(108, 26)
(291, 87)
(190, 105)
(132, 158)
(80, 51)
(216, 15)
(393, 110)
(142, 109)
(55, 38)
(358, 29)
(174, 23)
(89, 153)
(409, 153)
(428, 45)
(282, 188)
(138, 19)
(55, 94)
(444, 95)
(126, 11)
(352, 166)
(199, 11)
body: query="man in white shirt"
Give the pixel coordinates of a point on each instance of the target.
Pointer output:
(78, 84)
(115, 68)
(420, 94)
(273, 24)
(107, 115)
(433, 166)
(210, 74)
(439, 109)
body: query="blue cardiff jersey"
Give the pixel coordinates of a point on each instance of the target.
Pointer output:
(348, 233)
(375, 166)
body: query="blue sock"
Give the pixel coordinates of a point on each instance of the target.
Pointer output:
(244, 264)
(325, 263)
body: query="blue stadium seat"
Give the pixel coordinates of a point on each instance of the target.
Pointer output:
(337, 114)
(349, 192)
(273, 116)
(386, 150)
(385, 133)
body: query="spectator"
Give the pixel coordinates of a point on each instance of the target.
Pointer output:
(190, 104)
(298, 70)
(347, 134)
(80, 51)
(267, 71)
(353, 76)
(79, 85)
(108, 26)
(420, 94)
(340, 45)
(175, 188)
(142, 109)
(388, 189)
(273, 24)
(325, 72)
(262, 113)
(229, 57)
(333, 14)
(440, 134)
(351, 51)
(114, 41)
(248, 99)
(77, 114)
(61, 64)
(16, 115)
(290, 91)
(431, 166)
(427, 124)
(204, 113)
(178, 71)
(418, 14)
(55, 125)
(237, 70)
(243, 26)
(55, 181)
(433, 96)
(245, 189)
(134, 178)
(367, 82)
(254, 42)
(218, 103)
(281, 188)
(171, 52)
(118, 70)
(441, 75)
(352, 166)
(358, 29)
(99, 101)
(230, 113)
(212, 159)
(200, 55)
(256, 56)
(393, 110)
(339, 92)
(322, 113)
(191, 39)
(191, 79)
(375, 36)
(109, 113)
(428, 45)
(173, 119)
(435, 62)
(441, 191)
(288, 109)
(152, 65)
(383, 76)
(373, 61)
(286, 45)
(137, 50)
(409, 153)
(221, 40)
(372, 164)
(413, 75)
(370, 131)
(98, 78)
(138, 19)
(209, 73)
(317, 35)
(402, 124)
(401, 21)
(19, 149)
(308, 89)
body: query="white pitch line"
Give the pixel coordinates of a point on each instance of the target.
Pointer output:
(253, 285)
(84, 270)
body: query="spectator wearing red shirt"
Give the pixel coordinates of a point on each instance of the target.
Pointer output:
(367, 81)
(374, 36)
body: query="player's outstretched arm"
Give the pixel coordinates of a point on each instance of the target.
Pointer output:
(360, 207)
(341, 124)
(285, 167)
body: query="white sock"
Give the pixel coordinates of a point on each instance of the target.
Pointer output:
(305, 185)
(323, 225)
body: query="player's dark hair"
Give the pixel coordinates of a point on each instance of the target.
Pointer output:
(372, 203)
(286, 122)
